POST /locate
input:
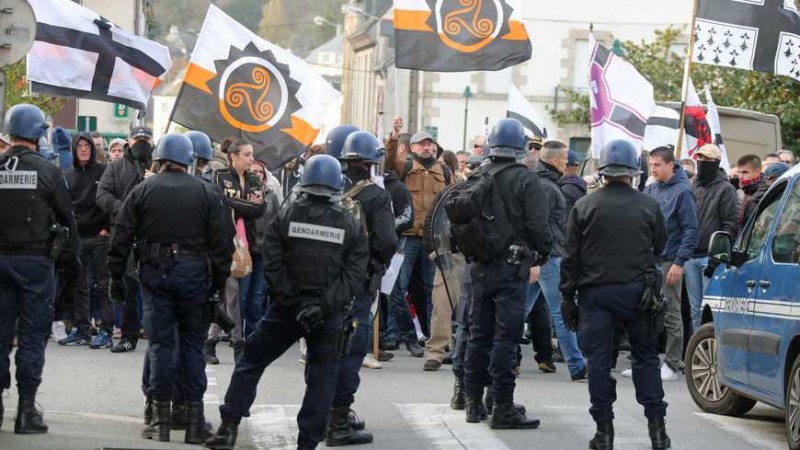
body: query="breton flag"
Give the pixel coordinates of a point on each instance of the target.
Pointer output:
(761, 35)
(662, 129)
(459, 35)
(519, 108)
(238, 84)
(78, 53)
(621, 99)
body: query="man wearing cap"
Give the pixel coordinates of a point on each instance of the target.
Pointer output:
(120, 177)
(572, 185)
(717, 210)
(425, 178)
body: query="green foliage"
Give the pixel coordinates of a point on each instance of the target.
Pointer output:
(17, 91)
(661, 61)
(290, 23)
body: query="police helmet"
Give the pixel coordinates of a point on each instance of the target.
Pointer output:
(322, 176)
(336, 138)
(25, 121)
(619, 158)
(507, 139)
(201, 144)
(176, 148)
(363, 147)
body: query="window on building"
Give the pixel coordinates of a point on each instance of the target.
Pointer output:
(327, 58)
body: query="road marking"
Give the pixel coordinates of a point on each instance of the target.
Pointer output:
(765, 433)
(631, 431)
(272, 427)
(211, 397)
(447, 429)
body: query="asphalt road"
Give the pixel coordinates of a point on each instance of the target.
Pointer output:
(92, 400)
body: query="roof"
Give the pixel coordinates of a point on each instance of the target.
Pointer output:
(335, 45)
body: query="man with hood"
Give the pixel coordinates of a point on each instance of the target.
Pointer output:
(93, 230)
(674, 195)
(572, 185)
(119, 178)
(717, 210)
(62, 146)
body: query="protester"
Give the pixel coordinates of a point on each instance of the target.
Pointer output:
(453, 164)
(770, 158)
(572, 185)
(751, 179)
(116, 149)
(479, 146)
(288, 175)
(787, 157)
(62, 146)
(100, 146)
(462, 157)
(689, 166)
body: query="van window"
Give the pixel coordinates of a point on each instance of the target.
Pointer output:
(759, 231)
(786, 245)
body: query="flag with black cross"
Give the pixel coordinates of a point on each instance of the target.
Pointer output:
(78, 53)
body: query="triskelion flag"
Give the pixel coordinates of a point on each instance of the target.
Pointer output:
(78, 53)
(621, 99)
(240, 85)
(459, 35)
(762, 35)
(521, 109)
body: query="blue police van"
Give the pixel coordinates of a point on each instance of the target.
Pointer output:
(748, 348)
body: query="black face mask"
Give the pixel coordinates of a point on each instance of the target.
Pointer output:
(707, 171)
(427, 162)
(750, 189)
(141, 151)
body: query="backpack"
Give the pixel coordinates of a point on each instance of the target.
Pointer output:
(479, 223)
(352, 205)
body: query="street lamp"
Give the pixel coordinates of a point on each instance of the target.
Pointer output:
(321, 22)
(467, 94)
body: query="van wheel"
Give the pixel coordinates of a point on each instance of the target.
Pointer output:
(702, 377)
(793, 407)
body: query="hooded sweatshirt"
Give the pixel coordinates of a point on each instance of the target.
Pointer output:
(62, 146)
(83, 182)
(679, 208)
(574, 188)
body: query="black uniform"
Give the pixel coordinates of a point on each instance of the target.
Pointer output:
(36, 210)
(177, 224)
(499, 288)
(315, 253)
(614, 238)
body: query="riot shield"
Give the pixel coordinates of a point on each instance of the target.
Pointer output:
(450, 264)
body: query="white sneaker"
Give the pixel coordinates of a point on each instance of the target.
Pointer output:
(370, 362)
(667, 374)
(627, 373)
(58, 331)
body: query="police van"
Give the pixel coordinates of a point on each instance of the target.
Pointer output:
(748, 348)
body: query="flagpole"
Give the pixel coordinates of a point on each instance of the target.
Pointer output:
(687, 72)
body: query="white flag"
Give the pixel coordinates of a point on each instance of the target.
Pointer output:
(521, 109)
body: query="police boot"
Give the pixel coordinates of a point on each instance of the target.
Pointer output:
(178, 416)
(159, 428)
(196, 431)
(488, 403)
(658, 434)
(475, 409)
(604, 437)
(340, 433)
(506, 416)
(224, 438)
(29, 419)
(356, 422)
(211, 351)
(148, 410)
(458, 402)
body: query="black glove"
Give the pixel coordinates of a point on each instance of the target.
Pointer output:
(571, 314)
(116, 290)
(310, 316)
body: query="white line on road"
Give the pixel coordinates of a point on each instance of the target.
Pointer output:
(765, 434)
(211, 396)
(272, 427)
(447, 429)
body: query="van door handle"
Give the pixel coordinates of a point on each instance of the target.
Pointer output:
(750, 284)
(764, 284)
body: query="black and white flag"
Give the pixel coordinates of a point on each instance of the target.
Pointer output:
(520, 108)
(78, 53)
(761, 35)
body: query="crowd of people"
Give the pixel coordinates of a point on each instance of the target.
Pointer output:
(279, 256)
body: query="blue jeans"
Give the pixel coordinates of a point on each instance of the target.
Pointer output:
(549, 279)
(400, 325)
(696, 284)
(252, 291)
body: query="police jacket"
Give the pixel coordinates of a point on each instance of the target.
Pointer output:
(377, 206)
(401, 202)
(526, 206)
(557, 219)
(247, 202)
(315, 252)
(614, 236)
(34, 196)
(717, 210)
(83, 181)
(173, 208)
(117, 181)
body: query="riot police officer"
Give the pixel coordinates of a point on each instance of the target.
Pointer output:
(37, 229)
(499, 282)
(203, 152)
(614, 239)
(359, 153)
(176, 222)
(313, 231)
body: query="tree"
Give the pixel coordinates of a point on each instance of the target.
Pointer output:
(659, 62)
(17, 91)
(290, 23)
